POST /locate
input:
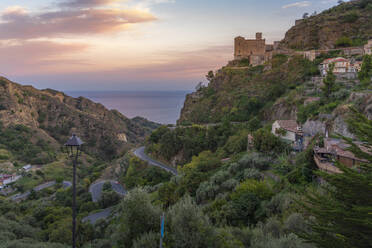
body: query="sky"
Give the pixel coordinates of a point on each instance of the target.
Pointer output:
(128, 45)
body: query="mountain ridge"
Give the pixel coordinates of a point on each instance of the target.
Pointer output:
(53, 116)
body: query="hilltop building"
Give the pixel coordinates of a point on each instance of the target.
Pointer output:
(256, 50)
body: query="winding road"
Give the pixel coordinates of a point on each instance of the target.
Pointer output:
(140, 153)
(93, 218)
(20, 197)
(95, 189)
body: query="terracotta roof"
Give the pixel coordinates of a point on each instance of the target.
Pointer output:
(289, 125)
(340, 147)
(333, 60)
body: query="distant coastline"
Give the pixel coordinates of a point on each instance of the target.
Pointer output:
(159, 106)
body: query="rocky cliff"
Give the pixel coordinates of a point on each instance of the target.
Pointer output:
(348, 24)
(53, 117)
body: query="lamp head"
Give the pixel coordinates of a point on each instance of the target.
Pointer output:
(73, 146)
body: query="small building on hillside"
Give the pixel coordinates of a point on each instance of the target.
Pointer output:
(368, 48)
(27, 168)
(7, 179)
(336, 150)
(343, 68)
(290, 131)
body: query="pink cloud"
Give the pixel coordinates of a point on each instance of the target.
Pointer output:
(85, 3)
(28, 57)
(18, 24)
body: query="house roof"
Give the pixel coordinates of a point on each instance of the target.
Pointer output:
(5, 176)
(340, 147)
(289, 125)
(334, 60)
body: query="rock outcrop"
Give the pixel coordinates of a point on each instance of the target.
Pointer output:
(350, 19)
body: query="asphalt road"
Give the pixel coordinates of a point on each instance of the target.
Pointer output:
(93, 218)
(19, 197)
(140, 153)
(95, 189)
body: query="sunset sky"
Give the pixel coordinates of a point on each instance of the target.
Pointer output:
(132, 44)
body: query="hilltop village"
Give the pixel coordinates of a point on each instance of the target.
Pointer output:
(345, 65)
(258, 53)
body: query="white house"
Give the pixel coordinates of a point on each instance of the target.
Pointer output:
(343, 67)
(288, 130)
(27, 168)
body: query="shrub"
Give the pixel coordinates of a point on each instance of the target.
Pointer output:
(344, 42)
(265, 141)
(252, 173)
(229, 184)
(351, 17)
(188, 226)
(138, 217)
(237, 143)
(258, 188)
(150, 239)
(295, 223)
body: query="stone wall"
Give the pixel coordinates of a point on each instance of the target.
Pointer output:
(246, 47)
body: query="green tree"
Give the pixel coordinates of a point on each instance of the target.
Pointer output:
(265, 141)
(365, 73)
(345, 41)
(138, 217)
(342, 211)
(188, 226)
(147, 240)
(198, 171)
(210, 76)
(329, 81)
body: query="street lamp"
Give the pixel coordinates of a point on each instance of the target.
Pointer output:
(73, 150)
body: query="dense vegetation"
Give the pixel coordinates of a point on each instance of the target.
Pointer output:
(19, 141)
(52, 117)
(241, 94)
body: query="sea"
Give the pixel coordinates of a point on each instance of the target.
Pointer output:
(159, 106)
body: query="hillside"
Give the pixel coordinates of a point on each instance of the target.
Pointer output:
(348, 24)
(239, 93)
(50, 117)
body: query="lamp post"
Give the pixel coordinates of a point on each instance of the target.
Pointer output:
(73, 150)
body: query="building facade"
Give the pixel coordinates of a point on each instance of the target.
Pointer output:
(290, 131)
(342, 68)
(368, 48)
(336, 150)
(256, 50)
